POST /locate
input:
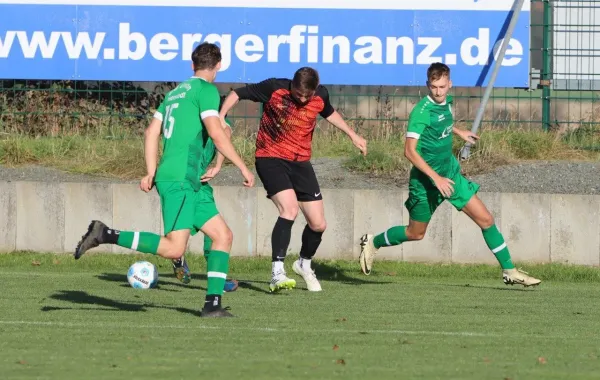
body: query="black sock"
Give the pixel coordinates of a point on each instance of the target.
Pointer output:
(310, 242)
(110, 236)
(212, 302)
(280, 238)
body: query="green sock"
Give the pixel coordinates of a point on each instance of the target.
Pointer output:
(393, 236)
(145, 242)
(217, 269)
(495, 242)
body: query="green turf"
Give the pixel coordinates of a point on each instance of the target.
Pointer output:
(67, 319)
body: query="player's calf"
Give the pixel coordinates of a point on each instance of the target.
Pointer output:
(393, 236)
(217, 258)
(145, 242)
(173, 246)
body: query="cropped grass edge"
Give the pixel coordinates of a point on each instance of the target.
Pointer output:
(326, 269)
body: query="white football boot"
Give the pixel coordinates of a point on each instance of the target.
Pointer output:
(303, 269)
(367, 253)
(515, 276)
(280, 281)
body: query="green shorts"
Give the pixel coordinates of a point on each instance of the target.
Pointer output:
(424, 198)
(183, 208)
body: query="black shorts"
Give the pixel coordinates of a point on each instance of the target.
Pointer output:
(278, 174)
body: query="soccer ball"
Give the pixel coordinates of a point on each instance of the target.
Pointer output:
(142, 275)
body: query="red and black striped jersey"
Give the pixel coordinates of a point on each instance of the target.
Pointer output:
(286, 128)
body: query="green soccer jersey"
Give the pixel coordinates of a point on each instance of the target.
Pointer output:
(431, 123)
(184, 134)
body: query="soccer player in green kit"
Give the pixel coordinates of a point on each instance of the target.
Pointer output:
(187, 118)
(210, 152)
(435, 177)
(180, 267)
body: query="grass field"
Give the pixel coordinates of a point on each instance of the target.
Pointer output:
(68, 319)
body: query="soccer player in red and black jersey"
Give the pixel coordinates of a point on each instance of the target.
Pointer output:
(283, 152)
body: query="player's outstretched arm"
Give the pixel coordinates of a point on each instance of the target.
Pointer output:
(468, 136)
(256, 92)
(410, 152)
(332, 116)
(220, 158)
(230, 101)
(224, 145)
(213, 171)
(338, 121)
(151, 140)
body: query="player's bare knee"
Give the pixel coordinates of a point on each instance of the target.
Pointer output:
(228, 236)
(320, 226)
(289, 212)
(416, 234)
(486, 221)
(224, 236)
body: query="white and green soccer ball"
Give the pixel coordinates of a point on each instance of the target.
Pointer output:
(142, 275)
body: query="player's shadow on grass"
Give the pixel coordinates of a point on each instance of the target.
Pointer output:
(162, 284)
(327, 272)
(478, 287)
(248, 285)
(95, 303)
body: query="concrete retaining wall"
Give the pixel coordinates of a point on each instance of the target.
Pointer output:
(539, 228)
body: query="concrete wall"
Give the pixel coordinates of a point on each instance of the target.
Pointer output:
(539, 228)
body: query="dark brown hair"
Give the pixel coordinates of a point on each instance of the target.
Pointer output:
(437, 70)
(206, 56)
(306, 79)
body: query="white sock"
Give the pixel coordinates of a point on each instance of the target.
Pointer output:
(305, 263)
(277, 266)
